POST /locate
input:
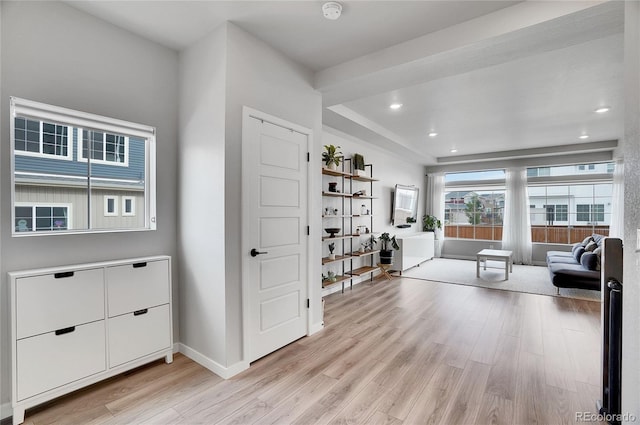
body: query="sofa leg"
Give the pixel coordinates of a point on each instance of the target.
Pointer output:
(557, 290)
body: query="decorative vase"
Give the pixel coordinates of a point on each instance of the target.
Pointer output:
(333, 187)
(361, 249)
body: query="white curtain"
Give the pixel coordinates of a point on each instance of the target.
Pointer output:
(516, 229)
(616, 228)
(435, 204)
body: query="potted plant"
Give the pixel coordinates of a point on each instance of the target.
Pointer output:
(388, 244)
(331, 156)
(358, 165)
(430, 223)
(331, 277)
(332, 246)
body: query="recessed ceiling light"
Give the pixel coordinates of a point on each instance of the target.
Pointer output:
(395, 106)
(584, 136)
(433, 134)
(602, 110)
(454, 150)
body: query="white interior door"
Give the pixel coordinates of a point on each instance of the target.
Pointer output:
(275, 183)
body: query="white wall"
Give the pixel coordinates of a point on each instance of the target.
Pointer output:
(49, 54)
(222, 73)
(201, 221)
(262, 78)
(631, 149)
(390, 170)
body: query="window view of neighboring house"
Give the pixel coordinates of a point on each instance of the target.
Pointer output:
(69, 178)
(560, 212)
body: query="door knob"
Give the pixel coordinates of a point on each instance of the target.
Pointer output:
(254, 252)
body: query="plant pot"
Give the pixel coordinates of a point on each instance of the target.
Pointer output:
(332, 166)
(332, 256)
(386, 257)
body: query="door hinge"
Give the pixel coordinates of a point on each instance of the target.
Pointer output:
(308, 156)
(307, 302)
(308, 230)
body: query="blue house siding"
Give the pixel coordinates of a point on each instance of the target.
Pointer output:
(134, 171)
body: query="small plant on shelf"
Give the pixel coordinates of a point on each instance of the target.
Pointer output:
(330, 277)
(430, 223)
(368, 244)
(332, 156)
(332, 246)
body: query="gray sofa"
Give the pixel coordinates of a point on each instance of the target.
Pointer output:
(579, 268)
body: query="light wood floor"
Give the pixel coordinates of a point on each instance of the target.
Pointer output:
(400, 352)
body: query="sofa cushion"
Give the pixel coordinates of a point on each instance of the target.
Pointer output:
(589, 261)
(591, 246)
(578, 253)
(576, 246)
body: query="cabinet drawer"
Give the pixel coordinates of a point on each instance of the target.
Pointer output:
(132, 336)
(48, 361)
(54, 301)
(133, 287)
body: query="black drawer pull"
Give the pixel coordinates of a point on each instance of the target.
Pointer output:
(65, 330)
(138, 265)
(141, 312)
(63, 274)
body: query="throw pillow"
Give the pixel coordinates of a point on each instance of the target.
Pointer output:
(598, 252)
(586, 240)
(591, 246)
(589, 261)
(578, 253)
(576, 246)
(597, 238)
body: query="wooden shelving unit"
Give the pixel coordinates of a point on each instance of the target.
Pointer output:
(349, 213)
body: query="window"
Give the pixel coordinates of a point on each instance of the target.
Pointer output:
(591, 213)
(41, 138)
(474, 204)
(109, 162)
(128, 206)
(110, 206)
(567, 213)
(105, 148)
(35, 218)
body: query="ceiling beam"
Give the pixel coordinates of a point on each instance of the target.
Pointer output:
(518, 31)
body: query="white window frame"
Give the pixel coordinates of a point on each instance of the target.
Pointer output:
(108, 213)
(41, 154)
(80, 151)
(78, 119)
(126, 213)
(33, 206)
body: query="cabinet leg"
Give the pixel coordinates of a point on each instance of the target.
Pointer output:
(168, 359)
(18, 415)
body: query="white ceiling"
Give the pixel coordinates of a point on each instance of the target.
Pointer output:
(487, 76)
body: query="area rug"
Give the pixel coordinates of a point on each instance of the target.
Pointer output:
(529, 279)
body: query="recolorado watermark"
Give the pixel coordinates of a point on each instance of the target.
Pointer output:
(604, 417)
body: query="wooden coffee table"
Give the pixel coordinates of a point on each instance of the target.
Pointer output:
(495, 254)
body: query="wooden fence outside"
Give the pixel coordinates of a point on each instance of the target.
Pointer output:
(540, 234)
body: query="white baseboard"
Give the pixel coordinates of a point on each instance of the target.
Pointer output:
(316, 327)
(6, 411)
(215, 367)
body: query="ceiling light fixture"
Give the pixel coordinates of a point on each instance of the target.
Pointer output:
(584, 136)
(395, 106)
(332, 10)
(433, 134)
(454, 150)
(602, 110)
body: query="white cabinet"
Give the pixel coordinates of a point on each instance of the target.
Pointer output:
(73, 326)
(414, 249)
